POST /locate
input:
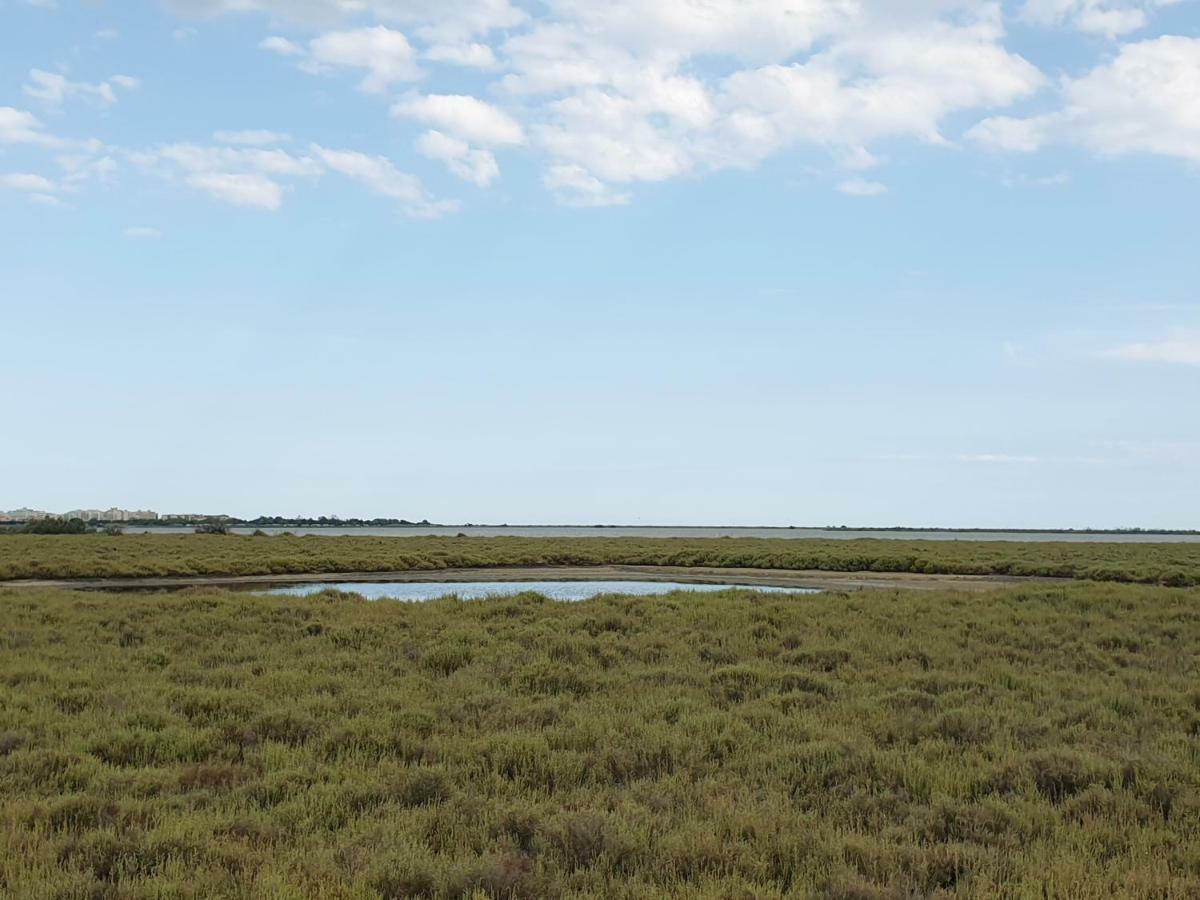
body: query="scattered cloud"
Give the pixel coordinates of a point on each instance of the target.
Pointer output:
(240, 188)
(1058, 179)
(53, 89)
(281, 45)
(242, 176)
(384, 53)
(108, 34)
(1155, 452)
(37, 188)
(574, 186)
(858, 187)
(82, 168)
(476, 166)
(255, 137)
(992, 459)
(609, 94)
(259, 177)
(24, 181)
(1180, 347)
(463, 116)
(1146, 100)
(1111, 18)
(858, 159)
(1003, 459)
(142, 232)
(443, 20)
(472, 55)
(382, 177)
(20, 127)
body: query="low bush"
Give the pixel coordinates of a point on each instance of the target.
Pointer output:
(1035, 742)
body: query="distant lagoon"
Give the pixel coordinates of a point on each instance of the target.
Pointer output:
(642, 531)
(555, 590)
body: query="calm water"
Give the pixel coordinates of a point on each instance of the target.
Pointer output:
(555, 590)
(579, 531)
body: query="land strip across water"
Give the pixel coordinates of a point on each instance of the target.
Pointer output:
(80, 558)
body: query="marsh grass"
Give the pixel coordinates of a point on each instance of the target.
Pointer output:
(102, 556)
(1027, 743)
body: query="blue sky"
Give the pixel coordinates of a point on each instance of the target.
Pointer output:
(693, 262)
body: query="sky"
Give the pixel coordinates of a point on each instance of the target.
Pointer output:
(740, 262)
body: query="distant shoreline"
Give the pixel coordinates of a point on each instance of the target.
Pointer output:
(366, 524)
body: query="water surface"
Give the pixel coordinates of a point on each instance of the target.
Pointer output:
(555, 590)
(638, 531)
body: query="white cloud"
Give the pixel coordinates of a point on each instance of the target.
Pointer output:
(1004, 459)
(1107, 17)
(859, 187)
(281, 45)
(476, 166)
(750, 30)
(575, 186)
(1181, 347)
(1147, 100)
(896, 84)
(240, 188)
(256, 137)
(199, 158)
(1008, 133)
(82, 168)
(466, 117)
(243, 176)
(24, 181)
(612, 93)
(1058, 179)
(108, 34)
(438, 19)
(385, 54)
(142, 232)
(382, 177)
(858, 159)
(20, 127)
(471, 55)
(616, 92)
(54, 89)
(623, 109)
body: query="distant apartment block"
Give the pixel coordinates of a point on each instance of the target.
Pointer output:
(113, 514)
(23, 515)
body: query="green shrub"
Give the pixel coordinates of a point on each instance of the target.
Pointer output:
(227, 750)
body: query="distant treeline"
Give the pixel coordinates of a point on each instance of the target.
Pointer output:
(49, 526)
(59, 524)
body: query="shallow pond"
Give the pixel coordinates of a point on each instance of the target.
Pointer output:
(555, 590)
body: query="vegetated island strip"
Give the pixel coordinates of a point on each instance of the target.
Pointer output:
(98, 556)
(1038, 744)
